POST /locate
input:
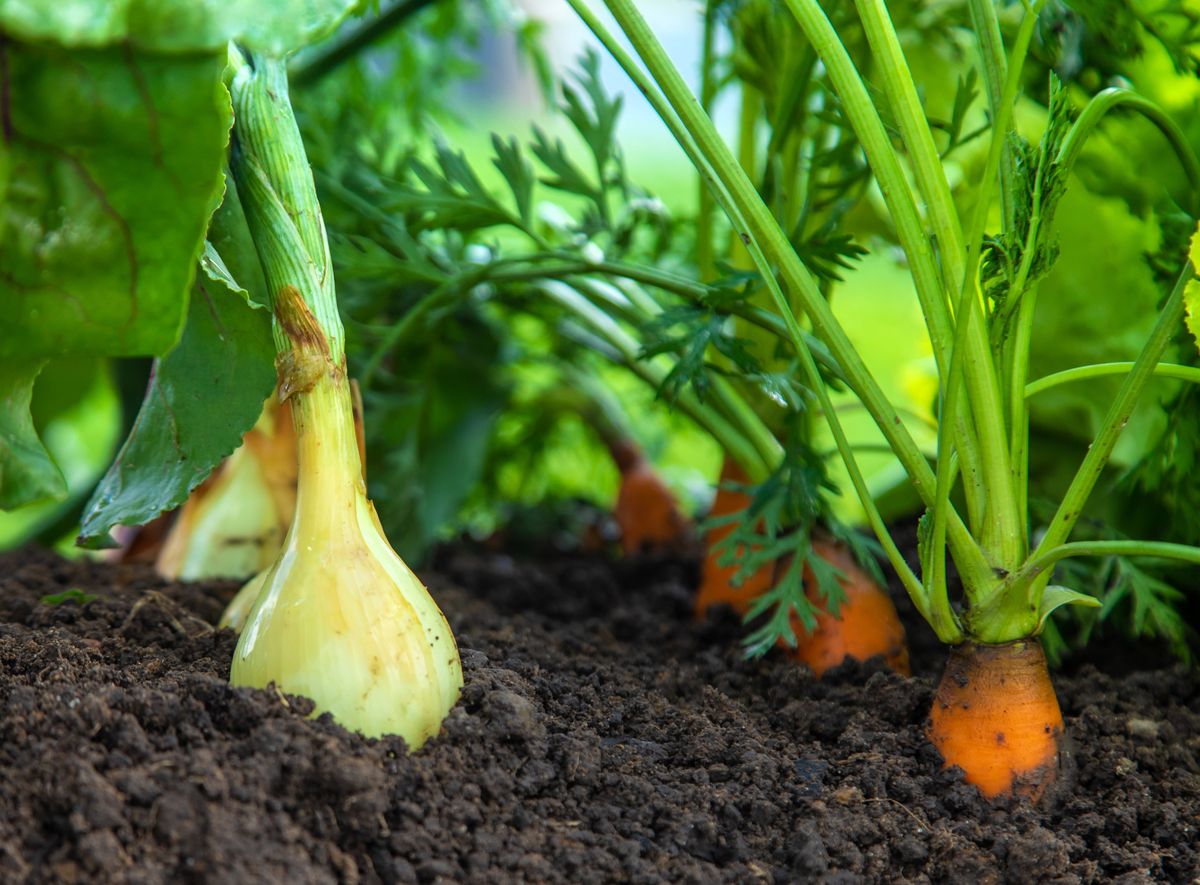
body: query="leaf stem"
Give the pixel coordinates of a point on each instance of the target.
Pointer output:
(1174, 371)
(986, 437)
(706, 261)
(986, 25)
(1002, 526)
(1169, 322)
(1041, 566)
(1114, 98)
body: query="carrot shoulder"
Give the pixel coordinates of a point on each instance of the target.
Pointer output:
(996, 717)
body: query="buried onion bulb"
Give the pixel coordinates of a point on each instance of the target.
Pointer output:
(339, 618)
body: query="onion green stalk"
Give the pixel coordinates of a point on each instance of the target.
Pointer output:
(339, 617)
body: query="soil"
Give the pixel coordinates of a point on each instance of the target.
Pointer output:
(601, 736)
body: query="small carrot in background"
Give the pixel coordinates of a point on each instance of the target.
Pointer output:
(996, 716)
(717, 585)
(646, 511)
(865, 624)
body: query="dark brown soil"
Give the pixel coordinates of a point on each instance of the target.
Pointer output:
(601, 737)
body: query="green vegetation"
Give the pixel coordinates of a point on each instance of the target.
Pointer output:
(73, 595)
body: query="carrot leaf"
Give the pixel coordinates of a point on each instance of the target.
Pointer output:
(1055, 596)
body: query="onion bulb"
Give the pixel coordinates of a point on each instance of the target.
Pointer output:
(339, 618)
(232, 524)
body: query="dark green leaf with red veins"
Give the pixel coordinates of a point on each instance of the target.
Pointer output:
(203, 396)
(113, 159)
(177, 26)
(113, 169)
(27, 472)
(115, 125)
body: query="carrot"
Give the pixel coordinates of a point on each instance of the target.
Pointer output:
(716, 581)
(645, 512)
(866, 624)
(996, 717)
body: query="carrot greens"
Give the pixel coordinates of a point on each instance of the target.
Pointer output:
(599, 269)
(977, 297)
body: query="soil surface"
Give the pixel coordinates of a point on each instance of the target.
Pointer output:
(601, 737)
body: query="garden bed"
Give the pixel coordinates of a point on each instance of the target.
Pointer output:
(601, 736)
